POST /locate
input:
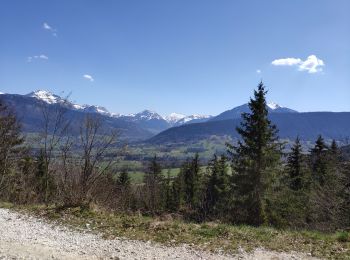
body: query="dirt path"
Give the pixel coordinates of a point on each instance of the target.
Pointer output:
(25, 237)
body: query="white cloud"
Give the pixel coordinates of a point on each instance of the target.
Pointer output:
(88, 77)
(286, 62)
(258, 71)
(37, 57)
(312, 64)
(46, 26)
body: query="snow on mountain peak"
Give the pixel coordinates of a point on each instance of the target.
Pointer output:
(174, 117)
(148, 115)
(273, 105)
(194, 117)
(95, 109)
(45, 96)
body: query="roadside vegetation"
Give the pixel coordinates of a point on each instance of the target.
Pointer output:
(171, 230)
(251, 195)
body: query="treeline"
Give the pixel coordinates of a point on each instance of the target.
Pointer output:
(254, 183)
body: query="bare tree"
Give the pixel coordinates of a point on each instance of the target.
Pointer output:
(54, 128)
(95, 142)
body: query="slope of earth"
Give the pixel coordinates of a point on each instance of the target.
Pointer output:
(25, 237)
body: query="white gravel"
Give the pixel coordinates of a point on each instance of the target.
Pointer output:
(26, 237)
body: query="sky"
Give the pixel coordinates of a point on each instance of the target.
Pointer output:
(184, 56)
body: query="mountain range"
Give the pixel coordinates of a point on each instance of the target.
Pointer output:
(153, 128)
(138, 126)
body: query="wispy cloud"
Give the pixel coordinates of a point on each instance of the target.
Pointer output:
(258, 71)
(47, 27)
(88, 77)
(37, 57)
(286, 62)
(312, 64)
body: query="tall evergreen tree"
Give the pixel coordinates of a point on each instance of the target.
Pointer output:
(190, 175)
(168, 193)
(254, 159)
(218, 187)
(319, 162)
(295, 167)
(176, 193)
(153, 181)
(326, 200)
(45, 185)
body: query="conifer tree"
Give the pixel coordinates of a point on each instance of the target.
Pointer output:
(125, 196)
(254, 160)
(153, 180)
(217, 187)
(168, 193)
(176, 193)
(190, 175)
(319, 163)
(123, 179)
(326, 199)
(295, 167)
(45, 183)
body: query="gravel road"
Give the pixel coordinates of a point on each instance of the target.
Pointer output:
(26, 237)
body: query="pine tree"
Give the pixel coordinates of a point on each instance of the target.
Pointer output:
(123, 189)
(217, 187)
(123, 179)
(168, 195)
(190, 175)
(44, 183)
(176, 193)
(153, 186)
(319, 162)
(254, 160)
(295, 167)
(326, 200)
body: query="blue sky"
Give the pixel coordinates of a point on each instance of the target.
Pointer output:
(185, 56)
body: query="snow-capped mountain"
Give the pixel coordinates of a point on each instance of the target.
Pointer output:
(46, 96)
(51, 98)
(95, 109)
(192, 119)
(150, 120)
(146, 115)
(174, 117)
(236, 112)
(276, 108)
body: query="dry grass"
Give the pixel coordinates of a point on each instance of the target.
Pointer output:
(207, 236)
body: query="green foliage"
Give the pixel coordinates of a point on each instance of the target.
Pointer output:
(304, 191)
(254, 160)
(123, 179)
(45, 185)
(190, 180)
(153, 188)
(217, 188)
(319, 161)
(296, 167)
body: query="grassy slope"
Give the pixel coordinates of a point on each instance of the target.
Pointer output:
(209, 236)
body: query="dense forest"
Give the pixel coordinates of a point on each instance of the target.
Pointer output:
(254, 183)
